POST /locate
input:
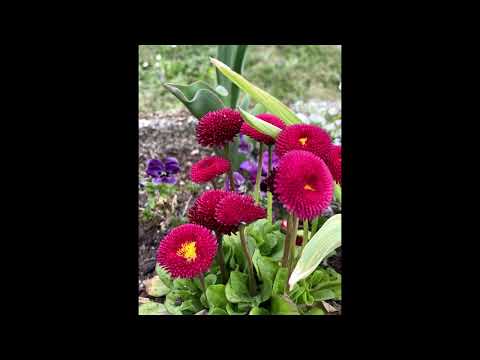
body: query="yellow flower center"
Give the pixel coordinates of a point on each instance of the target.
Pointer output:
(188, 251)
(303, 140)
(308, 187)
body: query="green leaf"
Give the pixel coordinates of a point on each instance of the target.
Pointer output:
(236, 290)
(245, 103)
(170, 305)
(233, 309)
(327, 239)
(315, 311)
(272, 104)
(199, 97)
(152, 308)
(217, 311)
(221, 90)
(258, 109)
(265, 292)
(258, 311)
(210, 279)
(280, 283)
(283, 305)
(265, 267)
(260, 125)
(185, 284)
(324, 294)
(216, 296)
(233, 56)
(155, 287)
(164, 276)
(191, 306)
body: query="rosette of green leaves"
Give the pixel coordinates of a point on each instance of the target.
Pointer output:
(186, 297)
(323, 284)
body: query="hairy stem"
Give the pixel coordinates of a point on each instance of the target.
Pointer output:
(286, 245)
(221, 258)
(251, 276)
(293, 239)
(259, 174)
(202, 284)
(315, 225)
(230, 172)
(269, 194)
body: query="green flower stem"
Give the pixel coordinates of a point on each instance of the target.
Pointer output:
(202, 284)
(230, 172)
(269, 194)
(269, 207)
(315, 225)
(305, 236)
(286, 245)
(259, 174)
(213, 185)
(269, 159)
(305, 232)
(293, 239)
(251, 276)
(221, 258)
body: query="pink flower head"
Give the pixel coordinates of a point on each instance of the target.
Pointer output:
(216, 128)
(257, 135)
(203, 211)
(303, 184)
(303, 137)
(235, 209)
(209, 168)
(187, 251)
(333, 159)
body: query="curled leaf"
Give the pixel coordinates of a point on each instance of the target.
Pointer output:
(327, 239)
(272, 104)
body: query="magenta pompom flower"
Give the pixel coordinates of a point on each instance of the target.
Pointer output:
(303, 137)
(235, 209)
(257, 135)
(333, 159)
(203, 211)
(303, 184)
(209, 168)
(216, 128)
(187, 251)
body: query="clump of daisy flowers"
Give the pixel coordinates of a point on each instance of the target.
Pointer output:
(216, 129)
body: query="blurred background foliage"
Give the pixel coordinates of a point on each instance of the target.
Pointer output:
(291, 73)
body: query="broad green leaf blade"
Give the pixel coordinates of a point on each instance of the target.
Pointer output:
(199, 97)
(155, 287)
(280, 283)
(327, 239)
(272, 104)
(216, 296)
(245, 103)
(260, 125)
(258, 109)
(283, 305)
(217, 311)
(152, 308)
(258, 311)
(233, 56)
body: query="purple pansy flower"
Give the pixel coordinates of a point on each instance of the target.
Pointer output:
(244, 147)
(275, 160)
(162, 172)
(238, 181)
(251, 168)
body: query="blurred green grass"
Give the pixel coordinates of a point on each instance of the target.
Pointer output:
(289, 72)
